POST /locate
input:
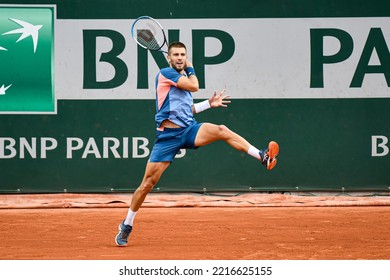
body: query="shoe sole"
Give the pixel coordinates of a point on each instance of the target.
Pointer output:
(273, 151)
(119, 245)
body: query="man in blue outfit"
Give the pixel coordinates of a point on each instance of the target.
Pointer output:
(177, 129)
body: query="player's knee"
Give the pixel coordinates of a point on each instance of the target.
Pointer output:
(224, 132)
(146, 188)
(147, 185)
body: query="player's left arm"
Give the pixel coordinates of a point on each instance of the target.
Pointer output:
(216, 100)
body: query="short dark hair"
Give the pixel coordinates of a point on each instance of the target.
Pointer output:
(176, 45)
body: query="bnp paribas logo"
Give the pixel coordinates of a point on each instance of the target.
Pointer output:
(27, 59)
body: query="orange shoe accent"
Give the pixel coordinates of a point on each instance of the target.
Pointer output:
(273, 151)
(271, 164)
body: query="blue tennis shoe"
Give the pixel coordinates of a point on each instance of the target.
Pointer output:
(123, 234)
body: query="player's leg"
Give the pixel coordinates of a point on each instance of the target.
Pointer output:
(152, 175)
(153, 172)
(209, 133)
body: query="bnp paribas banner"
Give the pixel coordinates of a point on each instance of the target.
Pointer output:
(77, 95)
(273, 58)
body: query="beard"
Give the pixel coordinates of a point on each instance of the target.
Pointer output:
(179, 67)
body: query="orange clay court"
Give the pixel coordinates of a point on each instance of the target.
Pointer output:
(196, 227)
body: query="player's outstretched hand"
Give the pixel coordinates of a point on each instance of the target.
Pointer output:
(218, 99)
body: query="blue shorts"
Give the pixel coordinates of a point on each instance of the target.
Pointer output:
(169, 142)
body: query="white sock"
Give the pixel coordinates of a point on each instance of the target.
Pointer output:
(254, 152)
(130, 218)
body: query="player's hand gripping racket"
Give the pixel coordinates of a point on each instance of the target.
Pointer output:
(148, 33)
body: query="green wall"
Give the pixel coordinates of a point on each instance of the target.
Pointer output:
(326, 143)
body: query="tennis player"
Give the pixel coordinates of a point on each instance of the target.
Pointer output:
(177, 129)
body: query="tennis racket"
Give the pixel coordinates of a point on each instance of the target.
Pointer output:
(149, 34)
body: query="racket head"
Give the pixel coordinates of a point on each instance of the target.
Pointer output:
(148, 33)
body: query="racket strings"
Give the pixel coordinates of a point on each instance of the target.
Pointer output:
(149, 34)
(147, 40)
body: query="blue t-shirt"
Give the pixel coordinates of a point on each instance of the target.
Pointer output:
(171, 102)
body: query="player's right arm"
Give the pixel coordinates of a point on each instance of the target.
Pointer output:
(189, 82)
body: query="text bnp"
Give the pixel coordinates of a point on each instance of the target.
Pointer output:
(94, 58)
